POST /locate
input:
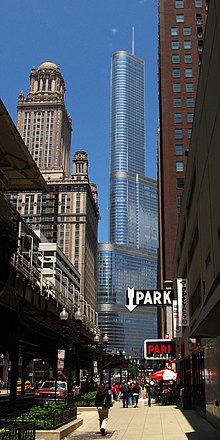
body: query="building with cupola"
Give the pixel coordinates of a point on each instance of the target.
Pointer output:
(44, 123)
(68, 214)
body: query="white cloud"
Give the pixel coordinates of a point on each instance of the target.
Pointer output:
(114, 30)
(142, 2)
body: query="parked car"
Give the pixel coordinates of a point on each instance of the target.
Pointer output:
(27, 386)
(52, 390)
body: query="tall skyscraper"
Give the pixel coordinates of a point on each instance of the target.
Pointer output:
(181, 32)
(68, 215)
(130, 259)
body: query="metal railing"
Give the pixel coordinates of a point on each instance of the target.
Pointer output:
(50, 291)
(41, 421)
(9, 431)
(66, 415)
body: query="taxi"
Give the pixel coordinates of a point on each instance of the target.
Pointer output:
(27, 386)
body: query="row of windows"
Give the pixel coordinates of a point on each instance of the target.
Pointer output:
(178, 119)
(176, 73)
(189, 87)
(190, 102)
(180, 4)
(187, 59)
(180, 18)
(175, 31)
(179, 133)
(175, 45)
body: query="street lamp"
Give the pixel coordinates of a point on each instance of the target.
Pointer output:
(121, 353)
(70, 332)
(101, 343)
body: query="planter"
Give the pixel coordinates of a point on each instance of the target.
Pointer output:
(59, 433)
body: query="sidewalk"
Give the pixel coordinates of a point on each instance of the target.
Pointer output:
(144, 423)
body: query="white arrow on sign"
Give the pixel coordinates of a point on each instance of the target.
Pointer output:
(131, 306)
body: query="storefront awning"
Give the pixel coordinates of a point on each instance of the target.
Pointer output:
(208, 323)
(18, 170)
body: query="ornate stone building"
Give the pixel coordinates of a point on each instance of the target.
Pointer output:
(68, 215)
(44, 123)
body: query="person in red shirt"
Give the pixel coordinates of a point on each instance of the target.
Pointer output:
(117, 390)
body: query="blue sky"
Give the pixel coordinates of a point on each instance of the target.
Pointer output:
(81, 36)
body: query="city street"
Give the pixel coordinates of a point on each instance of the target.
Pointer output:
(144, 423)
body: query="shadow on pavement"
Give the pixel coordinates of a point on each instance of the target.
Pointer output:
(91, 435)
(202, 427)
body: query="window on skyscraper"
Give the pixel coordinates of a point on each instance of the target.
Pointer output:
(177, 102)
(174, 31)
(179, 200)
(198, 3)
(190, 117)
(180, 183)
(188, 73)
(190, 102)
(177, 118)
(179, 150)
(176, 87)
(175, 59)
(199, 19)
(188, 58)
(187, 44)
(179, 4)
(175, 45)
(176, 73)
(186, 30)
(180, 18)
(178, 133)
(189, 87)
(179, 167)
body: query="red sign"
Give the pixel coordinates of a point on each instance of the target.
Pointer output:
(159, 348)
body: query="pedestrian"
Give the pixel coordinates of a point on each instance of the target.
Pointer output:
(117, 391)
(103, 403)
(149, 396)
(166, 395)
(125, 394)
(113, 391)
(131, 397)
(136, 391)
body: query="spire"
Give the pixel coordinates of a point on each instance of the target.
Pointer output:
(132, 41)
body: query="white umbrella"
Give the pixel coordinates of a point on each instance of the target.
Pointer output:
(169, 375)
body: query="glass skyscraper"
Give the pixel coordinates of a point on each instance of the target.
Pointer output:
(130, 259)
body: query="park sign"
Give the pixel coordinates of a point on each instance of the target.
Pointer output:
(136, 298)
(158, 349)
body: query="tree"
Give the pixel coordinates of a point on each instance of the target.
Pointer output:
(133, 371)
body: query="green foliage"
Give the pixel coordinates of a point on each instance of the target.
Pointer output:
(86, 399)
(133, 371)
(42, 415)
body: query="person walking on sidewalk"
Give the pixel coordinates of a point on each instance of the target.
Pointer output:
(103, 403)
(136, 391)
(125, 394)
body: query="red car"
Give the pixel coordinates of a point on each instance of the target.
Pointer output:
(52, 390)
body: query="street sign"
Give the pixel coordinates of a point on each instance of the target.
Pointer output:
(158, 349)
(136, 298)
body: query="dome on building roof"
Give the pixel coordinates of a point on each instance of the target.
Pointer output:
(48, 65)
